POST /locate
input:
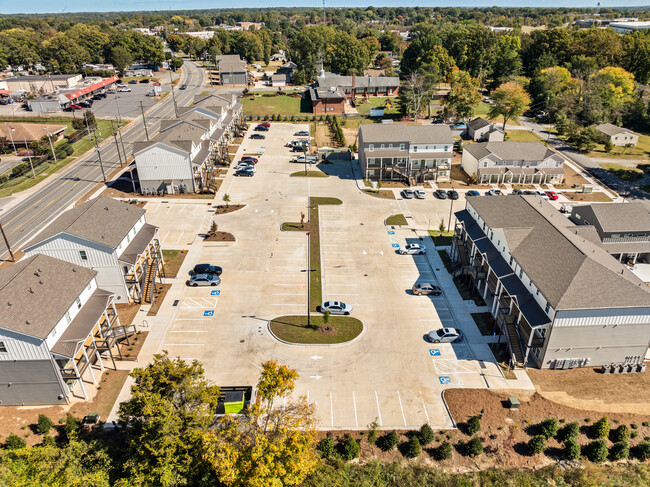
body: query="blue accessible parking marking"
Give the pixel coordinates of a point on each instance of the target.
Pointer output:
(434, 352)
(208, 312)
(391, 232)
(215, 293)
(444, 380)
(395, 245)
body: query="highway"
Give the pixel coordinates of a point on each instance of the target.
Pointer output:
(24, 221)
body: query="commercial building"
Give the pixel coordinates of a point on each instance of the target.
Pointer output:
(112, 238)
(59, 329)
(513, 163)
(627, 27)
(558, 298)
(41, 84)
(328, 101)
(408, 153)
(23, 134)
(618, 136)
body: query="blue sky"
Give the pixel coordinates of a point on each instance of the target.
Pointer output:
(48, 6)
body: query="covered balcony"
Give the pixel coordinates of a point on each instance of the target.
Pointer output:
(140, 257)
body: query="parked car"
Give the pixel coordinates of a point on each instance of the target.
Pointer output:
(441, 194)
(260, 128)
(297, 143)
(249, 159)
(494, 192)
(144, 81)
(242, 166)
(86, 104)
(408, 194)
(552, 195)
(543, 195)
(472, 192)
(213, 270)
(420, 194)
(452, 194)
(445, 335)
(412, 249)
(302, 133)
(183, 87)
(203, 280)
(305, 159)
(437, 120)
(71, 108)
(426, 288)
(244, 173)
(257, 136)
(124, 89)
(264, 124)
(518, 191)
(97, 97)
(122, 85)
(101, 95)
(335, 308)
(133, 82)
(529, 192)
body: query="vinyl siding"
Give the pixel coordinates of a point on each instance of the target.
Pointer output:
(22, 347)
(469, 163)
(158, 163)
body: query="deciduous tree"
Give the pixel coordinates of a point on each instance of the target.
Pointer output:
(509, 101)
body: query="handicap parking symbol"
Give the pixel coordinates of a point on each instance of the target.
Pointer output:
(215, 293)
(208, 312)
(434, 352)
(391, 232)
(444, 380)
(395, 245)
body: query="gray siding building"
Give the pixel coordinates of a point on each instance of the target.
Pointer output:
(231, 70)
(559, 300)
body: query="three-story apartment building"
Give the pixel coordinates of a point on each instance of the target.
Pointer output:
(558, 298)
(405, 152)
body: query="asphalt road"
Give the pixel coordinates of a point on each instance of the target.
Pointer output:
(29, 217)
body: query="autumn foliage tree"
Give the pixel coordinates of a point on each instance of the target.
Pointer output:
(509, 101)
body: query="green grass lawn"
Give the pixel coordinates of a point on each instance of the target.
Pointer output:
(441, 239)
(522, 136)
(271, 105)
(398, 219)
(294, 329)
(624, 173)
(310, 174)
(173, 261)
(641, 151)
(364, 108)
(380, 193)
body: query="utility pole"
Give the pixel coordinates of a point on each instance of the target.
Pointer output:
(119, 132)
(451, 209)
(29, 155)
(99, 154)
(117, 146)
(7, 243)
(171, 84)
(144, 120)
(49, 137)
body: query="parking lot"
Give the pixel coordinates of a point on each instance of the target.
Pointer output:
(389, 373)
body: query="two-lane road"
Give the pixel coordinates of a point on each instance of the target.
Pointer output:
(29, 217)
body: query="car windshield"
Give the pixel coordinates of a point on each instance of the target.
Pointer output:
(440, 333)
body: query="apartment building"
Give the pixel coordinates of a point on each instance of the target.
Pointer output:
(113, 239)
(360, 86)
(398, 152)
(559, 299)
(59, 330)
(512, 163)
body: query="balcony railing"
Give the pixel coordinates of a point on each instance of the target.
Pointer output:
(477, 272)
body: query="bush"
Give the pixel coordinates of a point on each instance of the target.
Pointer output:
(44, 425)
(600, 429)
(372, 432)
(548, 428)
(570, 431)
(619, 450)
(413, 448)
(389, 440)
(597, 451)
(474, 446)
(622, 433)
(14, 442)
(72, 425)
(48, 441)
(426, 434)
(473, 425)
(642, 450)
(350, 449)
(537, 444)
(444, 451)
(326, 447)
(571, 449)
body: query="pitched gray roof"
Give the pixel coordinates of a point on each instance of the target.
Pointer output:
(610, 129)
(571, 271)
(36, 292)
(102, 220)
(478, 123)
(336, 80)
(510, 151)
(622, 217)
(415, 134)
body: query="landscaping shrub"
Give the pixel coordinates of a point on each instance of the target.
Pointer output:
(571, 449)
(44, 425)
(326, 447)
(634, 434)
(474, 446)
(372, 432)
(619, 450)
(600, 429)
(473, 425)
(642, 450)
(48, 441)
(570, 431)
(389, 440)
(444, 451)
(548, 428)
(350, 449)
(537, 444)
(597, 451)
(426, 434)
(14, 442)
(413, 448)
(72, 425)
(622, 433)
(634, 426)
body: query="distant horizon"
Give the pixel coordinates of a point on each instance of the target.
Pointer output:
(41, 7)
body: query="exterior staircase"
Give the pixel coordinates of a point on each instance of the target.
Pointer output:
(150, 276)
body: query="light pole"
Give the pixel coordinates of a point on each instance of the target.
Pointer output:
(308, 271)
(144, 121)
(171, 84)
(49, 137)
(99, 154)
(451, 209)
(29, 155)
(117, 146)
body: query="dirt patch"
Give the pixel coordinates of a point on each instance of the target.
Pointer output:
(222, 209)
(571, 179)
(220, 237)
(596, 196)
(459, 178)
(587, 388)
(389, 195)
(127, 312)
(394, 184)
(130, 351)
(159, 295)
(173, 261)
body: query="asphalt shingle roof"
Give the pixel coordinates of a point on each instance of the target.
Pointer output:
(610, 129)
(414, 134)
(622, 217)
(510, 151)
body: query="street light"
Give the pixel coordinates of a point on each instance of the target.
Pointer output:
(308, 271)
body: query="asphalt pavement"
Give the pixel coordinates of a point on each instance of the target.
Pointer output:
(24, 221)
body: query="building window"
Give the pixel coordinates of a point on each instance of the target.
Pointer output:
(371, 147)
(511, 259)
(82, 254)
(78, 301)
(390, 146)
(521, 273)
(382, 146)
(485, 164)
(415, 148)
(3, 348)
(401, 147)
(67, 317)
(537, 293)
(548, 307)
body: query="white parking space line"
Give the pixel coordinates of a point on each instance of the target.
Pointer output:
(165, 237)
(185, 344)
(288, 294)
(332, 408)
(378, 409)
(354, 403)
(425, 408)
(189, 331)
(179, 238)
(401, 407)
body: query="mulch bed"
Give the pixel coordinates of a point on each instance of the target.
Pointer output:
(220, 237)
(222, 209)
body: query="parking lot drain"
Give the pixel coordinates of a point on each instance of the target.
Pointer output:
(175, 302)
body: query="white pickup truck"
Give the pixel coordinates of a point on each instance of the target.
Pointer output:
(305, 159)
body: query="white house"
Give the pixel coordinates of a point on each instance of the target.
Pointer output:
(619, 136)
(110, 237)
(59, 329)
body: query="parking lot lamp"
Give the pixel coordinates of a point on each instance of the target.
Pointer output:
(304, 153)
(451, 209)
(308, 271)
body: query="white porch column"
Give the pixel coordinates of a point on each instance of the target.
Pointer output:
(81, 381)
(99, 356)
(90, 367)
(497, 295)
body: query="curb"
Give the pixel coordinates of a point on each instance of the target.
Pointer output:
(332, 345)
